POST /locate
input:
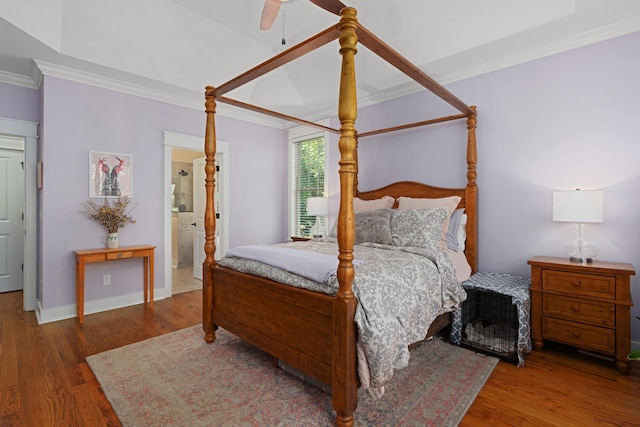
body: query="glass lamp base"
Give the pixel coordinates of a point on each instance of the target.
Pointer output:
(581, 260)
(582, 254)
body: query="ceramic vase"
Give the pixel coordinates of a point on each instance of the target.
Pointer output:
(112, 240)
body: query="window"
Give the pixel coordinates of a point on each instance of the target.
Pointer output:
(306, 179)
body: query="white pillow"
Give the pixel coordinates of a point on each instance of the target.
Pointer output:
(462, 233)
(447, 203)
(385, 202)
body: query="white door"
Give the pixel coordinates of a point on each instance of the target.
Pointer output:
(11, 214)
(199, 204)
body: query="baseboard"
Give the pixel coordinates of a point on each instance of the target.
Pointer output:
(90, 307)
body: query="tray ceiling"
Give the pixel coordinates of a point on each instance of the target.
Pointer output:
(172, 49)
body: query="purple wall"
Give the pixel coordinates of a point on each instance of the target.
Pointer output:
(19, 103)
(558, 123)
(78, 118)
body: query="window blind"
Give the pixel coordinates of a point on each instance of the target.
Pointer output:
(307, 180)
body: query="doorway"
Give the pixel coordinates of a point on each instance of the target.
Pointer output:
(184, 192)
(11, 212)
(27, 133)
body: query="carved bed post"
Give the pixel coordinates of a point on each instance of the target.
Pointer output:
(209, 216)
(471, 191)
(345, 383)
(355, 178)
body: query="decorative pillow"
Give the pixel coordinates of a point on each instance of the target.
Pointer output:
(374, 226)
(448, 203)
(452, 230)
(418, 227)
(360, 205)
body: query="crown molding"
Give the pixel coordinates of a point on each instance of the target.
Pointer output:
(18, 80)
(193, 101)
(604, 33)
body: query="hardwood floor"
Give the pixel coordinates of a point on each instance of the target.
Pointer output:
(45, 381)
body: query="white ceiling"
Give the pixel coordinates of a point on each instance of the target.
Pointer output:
(172, 49)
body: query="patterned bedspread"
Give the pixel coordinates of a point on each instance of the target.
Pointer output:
(400, 291)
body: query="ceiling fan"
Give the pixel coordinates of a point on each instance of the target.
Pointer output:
(271, 8)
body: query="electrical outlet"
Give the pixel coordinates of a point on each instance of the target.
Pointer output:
(106, 280)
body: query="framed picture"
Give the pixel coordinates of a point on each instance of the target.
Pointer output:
(110, 174)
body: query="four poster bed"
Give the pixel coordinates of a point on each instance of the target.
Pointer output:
(312, 331)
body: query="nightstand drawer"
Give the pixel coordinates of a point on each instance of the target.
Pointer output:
(597, 313)
(579, 284)
(588, 337)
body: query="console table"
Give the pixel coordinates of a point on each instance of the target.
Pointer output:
(87, 256)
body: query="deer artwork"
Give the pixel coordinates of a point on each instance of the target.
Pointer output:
(110, 186)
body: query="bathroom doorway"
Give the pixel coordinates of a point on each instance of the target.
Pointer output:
(183, 220)
(180, 253)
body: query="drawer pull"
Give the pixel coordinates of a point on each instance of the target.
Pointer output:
(577, 284)
(576, 308)
(576, 334)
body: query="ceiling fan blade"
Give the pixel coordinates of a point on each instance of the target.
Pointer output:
(269, 14)
(333, 6)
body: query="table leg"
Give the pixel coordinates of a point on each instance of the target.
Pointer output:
(80, 289)
(151, 280)
(145, 261)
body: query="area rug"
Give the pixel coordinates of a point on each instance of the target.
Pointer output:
(179, 380)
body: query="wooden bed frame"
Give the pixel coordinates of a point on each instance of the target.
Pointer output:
(311, 331)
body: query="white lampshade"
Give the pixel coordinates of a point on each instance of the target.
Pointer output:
(578, 206)
(317, 206)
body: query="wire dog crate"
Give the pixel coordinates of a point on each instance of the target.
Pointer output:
(490, 324)
(494, 319)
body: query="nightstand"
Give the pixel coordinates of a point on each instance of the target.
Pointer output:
(583, 305)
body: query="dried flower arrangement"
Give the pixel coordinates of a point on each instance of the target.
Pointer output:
(111, 215)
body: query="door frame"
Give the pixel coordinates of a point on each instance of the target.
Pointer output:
(196, 143)
(32, 270)
(12, 152)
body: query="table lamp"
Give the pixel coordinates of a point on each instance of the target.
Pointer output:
(579, 206)
(318, 206)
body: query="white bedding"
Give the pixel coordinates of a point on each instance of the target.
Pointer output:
(312, 265)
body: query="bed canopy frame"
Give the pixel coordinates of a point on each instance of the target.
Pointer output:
(342, 374)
